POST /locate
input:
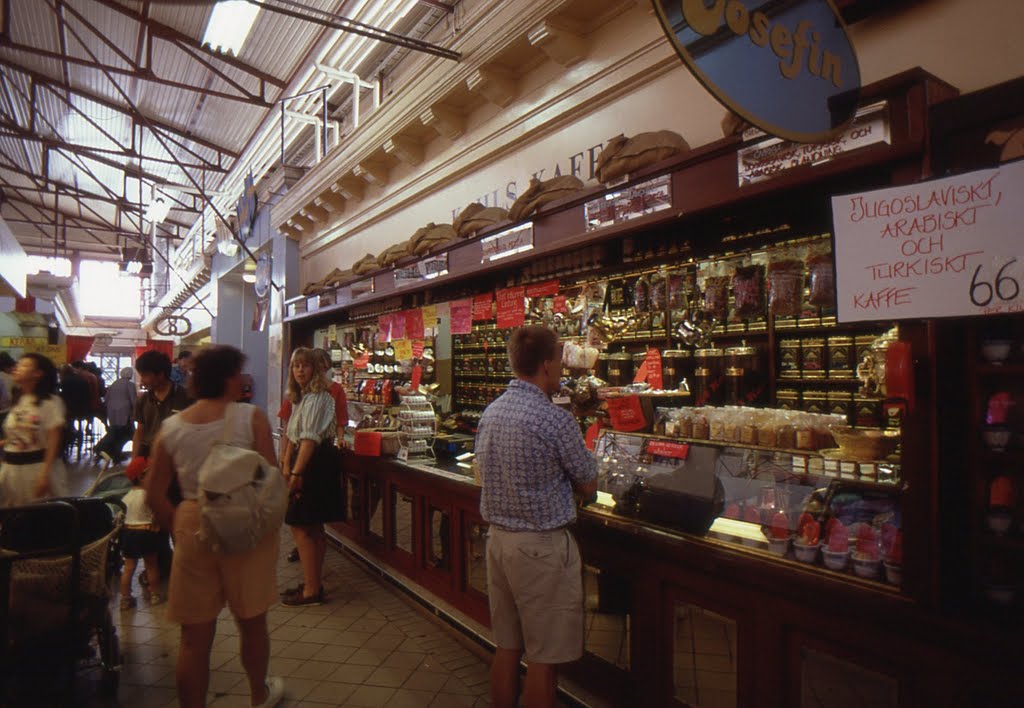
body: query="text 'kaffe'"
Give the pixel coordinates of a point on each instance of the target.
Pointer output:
(788, 68)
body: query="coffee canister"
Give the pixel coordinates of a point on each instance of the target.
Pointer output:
(620, 369)
(789, 358)
(677, 369)
(709, 377)
(745, 380)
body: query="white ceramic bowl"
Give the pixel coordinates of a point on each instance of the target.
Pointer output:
(996, 438)
(893, 573)
(995, 351)
(778, 546)
(999, 521)
(866, 566)
(805, 553)
(835, 560)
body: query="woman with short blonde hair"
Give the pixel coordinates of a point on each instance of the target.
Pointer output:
(312, 469)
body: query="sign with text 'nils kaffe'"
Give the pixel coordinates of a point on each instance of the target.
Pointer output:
(946, 248)
(786, 67)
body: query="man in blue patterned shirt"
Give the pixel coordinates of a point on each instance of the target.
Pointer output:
(532, 457)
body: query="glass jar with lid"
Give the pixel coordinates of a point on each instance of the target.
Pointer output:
(620, 368)
(745, 379)
(677, 369)
(708, 377)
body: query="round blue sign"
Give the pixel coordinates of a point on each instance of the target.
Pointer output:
(787, 67)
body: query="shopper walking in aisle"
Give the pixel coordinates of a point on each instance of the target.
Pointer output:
(121, 401)
(532, 457)
(162, 399)
(202, 580)
(312, 468)
(337, 392)
(33, 434)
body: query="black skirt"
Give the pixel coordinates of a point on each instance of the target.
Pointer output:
(322, 497)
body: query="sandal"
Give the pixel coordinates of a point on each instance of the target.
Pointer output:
(300, 600)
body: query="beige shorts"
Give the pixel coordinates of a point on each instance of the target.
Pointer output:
(535, 589)
(202, 581)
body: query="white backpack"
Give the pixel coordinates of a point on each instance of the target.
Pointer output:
(241, 496)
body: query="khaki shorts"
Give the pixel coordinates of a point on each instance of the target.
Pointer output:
(202, 581)
(535, 588)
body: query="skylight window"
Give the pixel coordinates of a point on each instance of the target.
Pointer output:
(229, 25)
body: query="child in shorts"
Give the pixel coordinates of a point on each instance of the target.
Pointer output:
(140, 538)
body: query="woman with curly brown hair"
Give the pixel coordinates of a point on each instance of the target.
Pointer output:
(312, 470)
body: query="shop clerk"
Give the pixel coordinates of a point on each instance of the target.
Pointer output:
(532, 457)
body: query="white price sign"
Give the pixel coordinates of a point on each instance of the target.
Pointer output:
(951, 247)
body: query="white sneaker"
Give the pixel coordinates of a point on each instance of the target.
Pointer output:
(275, 692)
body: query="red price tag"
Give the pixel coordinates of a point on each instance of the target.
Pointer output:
(384, 327)
(413, 323)
(482, 307)
(417, 349)
(546, 289)
(664, 448)
(417, 376)
(461, 313)
(626, 413)
(362, 361)
(653, 362)
(559, 304)
(650, 370)
(511, 307)
(397, 326)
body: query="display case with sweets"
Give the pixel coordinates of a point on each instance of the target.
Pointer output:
(1001, 502)
(996, 432)
(778, 534)
(752, 515)
(867, 554)
(808, 539)
(837, 552)
(892, 543)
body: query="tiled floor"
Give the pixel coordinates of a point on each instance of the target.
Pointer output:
(366, 647)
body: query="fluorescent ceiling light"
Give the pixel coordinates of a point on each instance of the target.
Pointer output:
(229, 26)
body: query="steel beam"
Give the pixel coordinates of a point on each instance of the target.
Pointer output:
(169, 34)
(345, 24)
(131, 111)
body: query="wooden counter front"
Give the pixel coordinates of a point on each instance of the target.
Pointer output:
(785, 628)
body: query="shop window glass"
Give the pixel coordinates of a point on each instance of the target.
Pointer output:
(354, 495)
(376, 509)
(829, 682)
(607, 616)
(704, 657)
(401, 507)
(476, 557)
(439, 552)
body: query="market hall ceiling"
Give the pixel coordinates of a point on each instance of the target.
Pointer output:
(104, 103)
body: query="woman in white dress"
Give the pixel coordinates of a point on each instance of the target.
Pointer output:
(33, 434)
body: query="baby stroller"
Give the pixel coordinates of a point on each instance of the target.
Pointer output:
(55, 618)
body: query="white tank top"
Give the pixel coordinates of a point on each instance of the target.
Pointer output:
(189, 443)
